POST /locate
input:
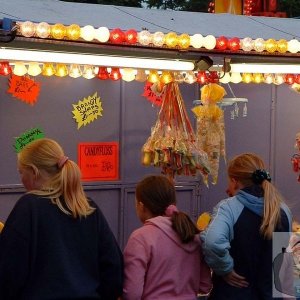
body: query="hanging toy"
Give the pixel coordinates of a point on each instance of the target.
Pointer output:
(203, 221)
(210, 132)
(296, 157)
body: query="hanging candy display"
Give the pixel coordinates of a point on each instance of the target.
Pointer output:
(172, 143)
(210, 126)
(296, 157)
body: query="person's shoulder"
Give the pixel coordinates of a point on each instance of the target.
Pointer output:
(26, 200)
(143, 233)
(227, 204)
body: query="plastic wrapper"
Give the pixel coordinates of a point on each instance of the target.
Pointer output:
(172, 144)
(210, 131)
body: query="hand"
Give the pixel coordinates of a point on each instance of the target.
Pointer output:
(235, 279)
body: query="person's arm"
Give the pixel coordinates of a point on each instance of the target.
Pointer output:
(205, 278)
(216, 240)
(110, 262)
(136, 258)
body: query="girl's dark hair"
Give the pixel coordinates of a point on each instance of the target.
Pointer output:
(157, 192)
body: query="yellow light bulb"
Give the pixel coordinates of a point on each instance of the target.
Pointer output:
(166, 77)
(153, 76)
(61, 70)
(258, 78)
(48, 69)
(73, 32)
(282, 46)
(184, 41)
(58, 31)
(271, 45)
(171, 39)
(247, 78)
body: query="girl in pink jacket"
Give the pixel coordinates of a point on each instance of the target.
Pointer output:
(163, 258)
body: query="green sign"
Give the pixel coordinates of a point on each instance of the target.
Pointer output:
(27, 137)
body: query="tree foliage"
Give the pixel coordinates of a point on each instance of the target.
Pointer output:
(291, 7)
(189, 5)
(131, 3)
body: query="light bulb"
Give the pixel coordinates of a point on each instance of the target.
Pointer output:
(141, 75)
(87, 33)
(166, 77)
(73, 32)
(20, 69)
(197, 40)
(293, 46)
(34, 69)
(43, 30)
(225, 78)
(247, 44)
(58, 31)
(158, 39)
(102, 34)
(75, 71)
(171, 39)
(259, 45)
(88, 72)
(184, 41)
(190, 77)
(153, 76)
(128, 74)
(209, 42)
(61, 70)
(235, 78)
(27, 29)
(48, 69)
(144, 37)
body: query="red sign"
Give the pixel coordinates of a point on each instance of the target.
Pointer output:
(24, 88)
(99, 161)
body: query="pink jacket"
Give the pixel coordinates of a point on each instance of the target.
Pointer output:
(159, 266)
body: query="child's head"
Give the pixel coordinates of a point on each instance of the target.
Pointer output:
(246, 169)
(156, 192)
(38, 162)
(156, 196)
(46, 171)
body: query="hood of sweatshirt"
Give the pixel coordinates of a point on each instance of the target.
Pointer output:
(252, 202)
(165, 225)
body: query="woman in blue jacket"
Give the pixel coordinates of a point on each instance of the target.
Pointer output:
(238, 242)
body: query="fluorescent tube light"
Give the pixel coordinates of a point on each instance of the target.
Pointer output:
(96, 60)
(265, 68)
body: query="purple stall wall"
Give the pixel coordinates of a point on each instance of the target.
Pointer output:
(269, 130)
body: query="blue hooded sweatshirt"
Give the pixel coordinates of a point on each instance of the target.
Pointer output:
(233, 241)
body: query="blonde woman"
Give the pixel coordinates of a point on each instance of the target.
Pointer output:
(56, 244)
(237, 244)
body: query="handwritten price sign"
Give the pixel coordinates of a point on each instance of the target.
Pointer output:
(99, 161)
(24, 88)
(87, 110)
(27, 137)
